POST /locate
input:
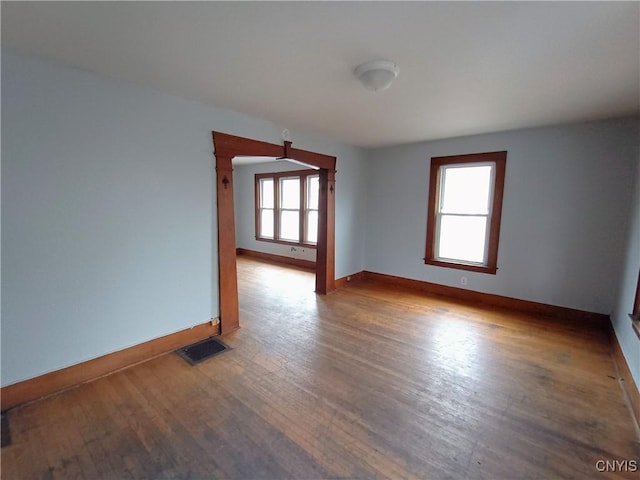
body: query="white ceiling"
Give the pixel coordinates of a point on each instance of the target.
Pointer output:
(465, 68)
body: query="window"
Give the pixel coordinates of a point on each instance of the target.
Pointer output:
(266, 207)
(287, 207)
(311, 212)
(465, 205)
(289, 211)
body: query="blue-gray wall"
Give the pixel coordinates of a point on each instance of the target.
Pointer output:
(109, 228)
(629, 342)
(108, 213)
(566, 202)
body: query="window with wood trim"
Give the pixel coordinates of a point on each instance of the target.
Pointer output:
(286, 207)
(465, 206)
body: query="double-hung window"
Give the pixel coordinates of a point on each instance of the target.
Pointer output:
(311, 211)
(287, 207)
(266, 207)
(465, 205)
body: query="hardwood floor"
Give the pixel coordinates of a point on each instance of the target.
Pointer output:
(369, 382)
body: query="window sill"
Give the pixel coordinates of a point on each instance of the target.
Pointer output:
(284, 242)
(462, 266)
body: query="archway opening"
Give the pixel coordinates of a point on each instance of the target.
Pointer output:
(226, 147)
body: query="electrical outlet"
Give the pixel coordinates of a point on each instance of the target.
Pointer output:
(463, 280)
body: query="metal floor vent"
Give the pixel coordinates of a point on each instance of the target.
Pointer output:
(202, 350)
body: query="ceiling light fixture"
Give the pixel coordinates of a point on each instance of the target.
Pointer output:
(377, 74)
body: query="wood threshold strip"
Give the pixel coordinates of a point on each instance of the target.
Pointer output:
(298, 262)
(59, 380)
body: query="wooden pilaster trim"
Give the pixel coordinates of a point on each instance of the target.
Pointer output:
(228, 277)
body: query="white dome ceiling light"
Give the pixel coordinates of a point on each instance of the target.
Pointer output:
(376, 75)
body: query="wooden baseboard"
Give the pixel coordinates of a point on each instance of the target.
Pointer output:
(624, 374)
(298, 262)
(589, 318)
(54, 382)
(349, 279)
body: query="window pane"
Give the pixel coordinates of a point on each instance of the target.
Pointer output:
(266, 223)
(313, 188)
(462, 238)
(290, 192)
(266, 193)
(312, 226)
(466, 189)
(290, 225)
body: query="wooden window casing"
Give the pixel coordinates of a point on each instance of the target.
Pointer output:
(498, 161)
(303, 224)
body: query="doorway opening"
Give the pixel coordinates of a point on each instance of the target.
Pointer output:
(276, 210)
(226, 148)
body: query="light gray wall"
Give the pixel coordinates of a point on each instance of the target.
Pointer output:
(109, 229)
(244, 205)
(108, 213)
(566, 194)
(627, 287)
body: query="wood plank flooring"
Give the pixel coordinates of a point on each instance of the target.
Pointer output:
(369, 382)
